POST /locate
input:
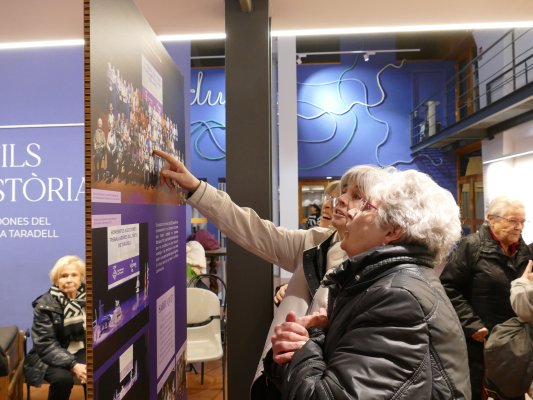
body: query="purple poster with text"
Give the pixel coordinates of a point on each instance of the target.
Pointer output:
(138, 235)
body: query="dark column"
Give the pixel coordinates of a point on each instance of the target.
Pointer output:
(248, 177)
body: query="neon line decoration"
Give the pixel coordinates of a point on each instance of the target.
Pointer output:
(341, 107)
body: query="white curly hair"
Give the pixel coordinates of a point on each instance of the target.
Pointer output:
(427, 214)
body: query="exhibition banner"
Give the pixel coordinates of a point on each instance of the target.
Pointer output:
(42, 198)
(138, 225)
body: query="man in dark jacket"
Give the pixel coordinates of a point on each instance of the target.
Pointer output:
(478, 278)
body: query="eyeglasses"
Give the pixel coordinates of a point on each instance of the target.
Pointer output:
(367, 205)
(364, 206)
(334, 200)
(514, 221)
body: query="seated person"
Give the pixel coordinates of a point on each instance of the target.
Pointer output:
(390, 330)
(58, 331)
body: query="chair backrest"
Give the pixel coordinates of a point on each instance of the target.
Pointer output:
(202, 306)
(204, 335)
(197, 281)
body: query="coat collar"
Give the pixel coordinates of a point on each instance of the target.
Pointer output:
(375, 262)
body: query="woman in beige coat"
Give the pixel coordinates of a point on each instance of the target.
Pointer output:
(277, 245)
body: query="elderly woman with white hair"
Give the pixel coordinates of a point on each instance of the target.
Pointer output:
(59, 330)
(389, 331)
(478, 276)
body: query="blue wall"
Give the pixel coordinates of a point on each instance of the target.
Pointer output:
(350, 113)
(208, 124)
(43, 86)
(357, 112)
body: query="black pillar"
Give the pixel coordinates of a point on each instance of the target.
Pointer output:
(248, 177)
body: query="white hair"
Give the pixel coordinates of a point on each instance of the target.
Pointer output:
(64, 262)
(427, 214)
(499, 205)
(363, 177)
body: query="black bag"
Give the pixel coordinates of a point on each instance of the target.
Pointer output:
(509, 358)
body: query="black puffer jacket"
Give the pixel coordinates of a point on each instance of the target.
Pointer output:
(393, 334)
(478, 279)
(49, 342)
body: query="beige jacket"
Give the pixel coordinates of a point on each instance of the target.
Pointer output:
(277, 245)
(522, 299)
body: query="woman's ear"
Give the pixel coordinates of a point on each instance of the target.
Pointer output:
(394, 233)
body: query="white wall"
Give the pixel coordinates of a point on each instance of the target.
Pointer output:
(288, 135)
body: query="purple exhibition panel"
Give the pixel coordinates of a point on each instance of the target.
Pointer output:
(42, 198)
(137, 105)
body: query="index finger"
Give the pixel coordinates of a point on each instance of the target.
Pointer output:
(164, 156)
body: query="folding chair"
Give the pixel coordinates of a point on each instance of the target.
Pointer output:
(205, 330)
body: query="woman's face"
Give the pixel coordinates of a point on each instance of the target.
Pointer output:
(327, 214)
(350, 198)
(363, 231)
(326, 217)
(69, 280)
(508, 227)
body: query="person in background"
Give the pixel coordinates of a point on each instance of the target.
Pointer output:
(389, 331)
(478, 275)
(522, 299)
(99, 148)
(58, 331)
(313, 217)
(331, 193)
(196, 263)
(277, 245)
(522, 295)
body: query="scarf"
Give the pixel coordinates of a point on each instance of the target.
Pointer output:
(73, 312)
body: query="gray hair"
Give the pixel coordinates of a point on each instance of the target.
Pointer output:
(362, 176)
(427, 213)
(500, 204)
(332, 188)
(64, 262)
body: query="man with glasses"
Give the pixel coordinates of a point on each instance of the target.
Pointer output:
(478, 276)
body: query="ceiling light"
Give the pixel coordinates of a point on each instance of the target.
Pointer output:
(403, 28)
(526, 153)
(41, 43)
(191, 37)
